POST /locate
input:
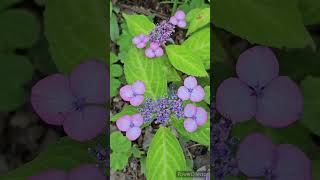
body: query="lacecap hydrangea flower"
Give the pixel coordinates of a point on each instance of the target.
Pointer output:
(133, 93)
(77, 102)
(274, 100)
(195, 116)
(191, 90)
(160, 35)
(130, 125)
(258, 157)
(82, 172)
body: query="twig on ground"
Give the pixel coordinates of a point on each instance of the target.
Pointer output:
(143, 11)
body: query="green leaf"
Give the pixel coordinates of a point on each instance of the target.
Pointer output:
(310, 11)
(294, 134)
(41, 58)
(199, 44)
(293, 66)
(114, 28)
(113, 58)
(41, 2)
(138, 24)
(222, 71)
(119, 143)
(271, 23)
(19, 29)
(310, 117)
(191, 14)
(198, 4)
(125, 43)
(151, 72)
(207, 97)
(118, 160)
(136, 152)
(114, 86)
(315, 169)
(7, 3)
(172, 74)
(201, 135)
(116, 70)
(143, 165)
(219, 52)
(165, 156)
(127, 110)
(77, 33)
(64, 155)
(184, 60)
(201, 19)
(15, 72)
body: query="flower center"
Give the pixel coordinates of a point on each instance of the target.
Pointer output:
(162, 32)
(78, 104)
(257, 90)
(268, 174)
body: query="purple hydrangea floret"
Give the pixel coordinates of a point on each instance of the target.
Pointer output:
(258, 91)
(133, 93)
(75, 101)
(130, 125)
(191, 90)
(195, 116)
(257, 156)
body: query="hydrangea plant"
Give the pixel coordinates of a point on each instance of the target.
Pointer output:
(165, 77)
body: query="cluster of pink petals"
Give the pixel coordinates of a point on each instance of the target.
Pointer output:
(195, 116)
(64, 100)
(179, 19)
(140, 41)
(258, 91)
(83, 172)
(130, 125)
(133, 93)
(154, 50)
(258, 157)
(191, 90)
